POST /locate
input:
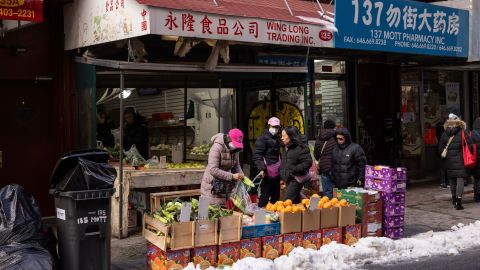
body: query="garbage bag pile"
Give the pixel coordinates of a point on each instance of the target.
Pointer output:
(20, 223)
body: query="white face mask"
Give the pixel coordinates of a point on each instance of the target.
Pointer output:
(273, 131)
(231, 146)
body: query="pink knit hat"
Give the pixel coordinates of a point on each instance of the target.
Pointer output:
(237, 137)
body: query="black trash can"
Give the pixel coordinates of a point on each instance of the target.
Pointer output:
(82, 184)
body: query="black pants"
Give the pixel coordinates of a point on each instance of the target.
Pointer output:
(269, 191)
(476, 188)
(293, 191)
(456, 186)
(443, 173)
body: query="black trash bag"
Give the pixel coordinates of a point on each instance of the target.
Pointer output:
(25, 256)
(20, 217)
(83, 170)
(49, 242)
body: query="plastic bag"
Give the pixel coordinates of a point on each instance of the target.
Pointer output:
(88, 175)
(241, 198)
(133, 157)
(153, 163)
(25, 256)
(20, 217)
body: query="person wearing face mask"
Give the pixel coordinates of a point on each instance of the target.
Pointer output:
(266, 157)
(223, 165)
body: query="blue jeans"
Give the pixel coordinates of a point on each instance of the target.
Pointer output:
(327, 185)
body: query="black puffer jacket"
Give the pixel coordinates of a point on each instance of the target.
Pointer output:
(454, 160)
(476, 141)
(348, 161)
(326, 140)
(296, 161)
(137, 134)
(267, 146)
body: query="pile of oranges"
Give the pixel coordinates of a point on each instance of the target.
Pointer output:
(285, 207)
(325, 203)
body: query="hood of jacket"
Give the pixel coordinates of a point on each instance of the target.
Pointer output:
(346, 134)
(452, 127)
(218, 138)
(326, 134)
(476, 123)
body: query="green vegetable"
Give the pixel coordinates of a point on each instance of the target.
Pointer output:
(248, 182)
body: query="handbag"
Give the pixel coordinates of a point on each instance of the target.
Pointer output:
(273, 170)
(222, 187)
(445, 150)
(469, 158)
(303, 178)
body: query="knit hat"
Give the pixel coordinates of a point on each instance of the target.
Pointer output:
(237, 137)
(328, 124)
(453, 117)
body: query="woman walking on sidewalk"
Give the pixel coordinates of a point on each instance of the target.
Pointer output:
(323, 153)
(450, 148)
(476, 175)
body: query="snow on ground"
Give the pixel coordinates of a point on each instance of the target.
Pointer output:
(369, 250)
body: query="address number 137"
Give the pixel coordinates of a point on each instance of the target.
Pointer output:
(368, 6)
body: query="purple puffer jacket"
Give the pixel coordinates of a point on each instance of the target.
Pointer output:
(221, 165)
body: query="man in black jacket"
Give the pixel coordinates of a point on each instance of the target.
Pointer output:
(348, 160)
(267, 153)
(135, 132)
(323, 154)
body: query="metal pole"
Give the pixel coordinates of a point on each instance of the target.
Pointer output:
(120, 184)
(185, 120)
(219, 103)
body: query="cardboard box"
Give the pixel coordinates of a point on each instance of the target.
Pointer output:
(204, 256)
(290, 222)
(206, 233)
(393, 210)
(179, 235)
(393, 198)
(329, 218)
(351, 234)
(251, 248)
(158, 259)
(312, 239)
(364, 199)
(372, 217)
(230, 228)
(393, 233)
(330, 235)
(272, 246)
(228, 253)
(393, 222)
(372, 229)
(386, 173)
(311, 220)
(387, 186)
(346, 215)
(291, 241)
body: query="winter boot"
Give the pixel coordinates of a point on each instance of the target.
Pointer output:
(458, 204)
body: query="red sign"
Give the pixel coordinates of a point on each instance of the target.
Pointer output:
(325, 35)
(21, 10)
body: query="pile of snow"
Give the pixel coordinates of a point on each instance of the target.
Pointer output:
(369, 250)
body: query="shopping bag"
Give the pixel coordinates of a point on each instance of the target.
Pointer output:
(469, 158)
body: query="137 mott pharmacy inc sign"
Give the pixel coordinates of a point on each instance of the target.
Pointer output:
(401, 26)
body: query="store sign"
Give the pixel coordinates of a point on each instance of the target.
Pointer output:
(21, 10)
(91, 22)
(401, 26)
(212, 26)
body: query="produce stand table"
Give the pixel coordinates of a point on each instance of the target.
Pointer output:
(143, 179)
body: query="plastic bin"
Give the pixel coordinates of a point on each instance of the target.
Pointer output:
(260, 230)
(83, 216)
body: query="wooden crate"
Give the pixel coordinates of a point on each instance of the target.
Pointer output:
(156, 199)
(206, 233)
(179, 235)
(230, 228)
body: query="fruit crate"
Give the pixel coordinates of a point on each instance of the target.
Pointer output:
(179, 235)
(255, 231)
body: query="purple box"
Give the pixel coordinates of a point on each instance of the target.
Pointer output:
(393, 198)
(390, 210)
(401, 186)
(393, 233)
(381, 172)
(393, 222)
(386, 186)
(401, 173)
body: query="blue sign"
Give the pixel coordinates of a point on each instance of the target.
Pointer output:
(401, 26)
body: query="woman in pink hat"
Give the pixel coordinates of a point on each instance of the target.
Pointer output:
(266, 157)
(223, 169)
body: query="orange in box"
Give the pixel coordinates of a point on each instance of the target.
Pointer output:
(204, 256)
(330, 235)
(312, 239)
(228, 253)
(251, 248)
(158, 259)
(272, 246)
(291, 241)
(351, 234)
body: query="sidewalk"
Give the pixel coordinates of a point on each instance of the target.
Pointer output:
(428, 208)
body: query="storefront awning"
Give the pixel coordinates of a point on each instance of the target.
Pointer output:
(280, 22)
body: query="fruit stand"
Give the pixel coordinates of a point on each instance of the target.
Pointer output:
(144, 179)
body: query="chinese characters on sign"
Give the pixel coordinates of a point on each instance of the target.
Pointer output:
(213, 26)
(401, 26)
(21, 10)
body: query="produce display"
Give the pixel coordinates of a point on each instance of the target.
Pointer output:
(250, 221)
(288, 207)
(185, 166)
(201, 150)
